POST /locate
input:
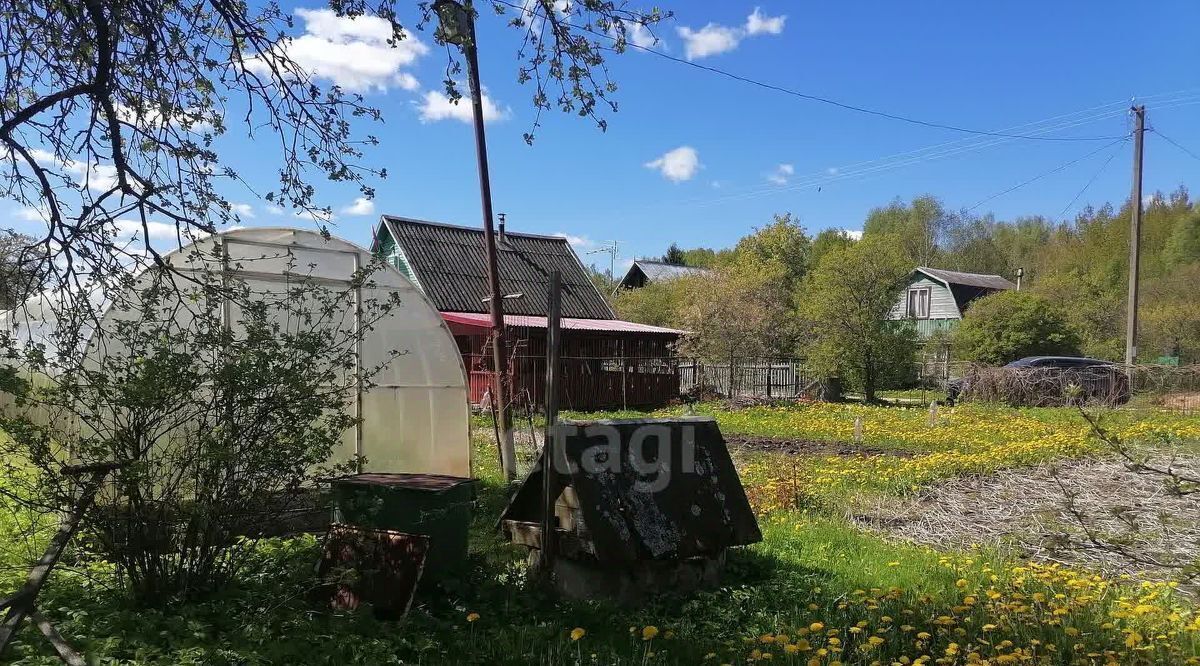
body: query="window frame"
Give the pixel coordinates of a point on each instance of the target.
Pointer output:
(909, 303)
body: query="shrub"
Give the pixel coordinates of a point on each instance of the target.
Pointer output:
(1009, 325)
(222, 422)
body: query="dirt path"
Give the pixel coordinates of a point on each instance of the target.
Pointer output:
(808, 447)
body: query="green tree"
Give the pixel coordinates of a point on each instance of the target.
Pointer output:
(20, 273)
(703, 257)
(734, 311)
(656, 304)
(1183, 246)
(674, 256)
(780, 250)
(1170, 318)
(603, 280)
(1009, 325)
(826, 241)
(971, 245)
(845, 308)
(919, 227)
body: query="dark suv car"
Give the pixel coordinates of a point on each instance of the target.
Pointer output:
(1096, 379)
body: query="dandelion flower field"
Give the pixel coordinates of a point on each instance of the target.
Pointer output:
(816, 592)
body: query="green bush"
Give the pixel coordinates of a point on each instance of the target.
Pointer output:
(1009, 325)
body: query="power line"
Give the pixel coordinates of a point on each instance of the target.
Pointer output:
(1047, 173)
(818, 98)
(1174, 143)
(1088, 184)
(900, 160)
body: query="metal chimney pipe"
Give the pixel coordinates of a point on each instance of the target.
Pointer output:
(501, 216)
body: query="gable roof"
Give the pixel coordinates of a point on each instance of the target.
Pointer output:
(659, 271)
(969, 279)
(450, 265)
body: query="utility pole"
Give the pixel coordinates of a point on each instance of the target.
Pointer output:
(1135, 236)
(458, 27)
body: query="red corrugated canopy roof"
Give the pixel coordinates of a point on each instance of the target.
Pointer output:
(567, 323)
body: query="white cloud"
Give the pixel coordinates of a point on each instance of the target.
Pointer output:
(361, 206)
(710, 40)
(677, 165)
(852, 234)
(31, 214)
(715, 39)
(128, 228)
(353, 53)
(758, 23)
(437, 106)
(580, 243)
(639, 36)
(97, 177)
(242, 209)
(321, 216)
(781, 174)
(532, 12)
(273, 209)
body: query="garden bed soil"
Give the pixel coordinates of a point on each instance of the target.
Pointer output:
(1137, 526)
(809, 447)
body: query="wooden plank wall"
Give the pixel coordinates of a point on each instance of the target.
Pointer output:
(598, 372)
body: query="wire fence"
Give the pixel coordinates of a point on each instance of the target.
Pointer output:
(936, 377)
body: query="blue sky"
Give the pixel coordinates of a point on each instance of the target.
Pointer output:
(699, 159)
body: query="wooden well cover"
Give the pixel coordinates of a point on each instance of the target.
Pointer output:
(660, 489)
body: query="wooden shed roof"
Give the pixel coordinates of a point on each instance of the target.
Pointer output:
(450, 264)
(969, 279)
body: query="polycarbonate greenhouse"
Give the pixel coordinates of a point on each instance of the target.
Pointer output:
(414, 412)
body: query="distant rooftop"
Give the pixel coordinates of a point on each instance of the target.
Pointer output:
(659, 270)
(969, 279)
(644, 271)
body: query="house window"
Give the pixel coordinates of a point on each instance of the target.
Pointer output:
(918, 302)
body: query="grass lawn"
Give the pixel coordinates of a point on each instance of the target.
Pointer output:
(816, 591)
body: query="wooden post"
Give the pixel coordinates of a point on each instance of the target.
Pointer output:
(732, 375)
(551, 445)
(624, 374)
(501, 390)
(1135, 238)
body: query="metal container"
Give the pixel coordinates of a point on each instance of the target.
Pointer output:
(432, 505)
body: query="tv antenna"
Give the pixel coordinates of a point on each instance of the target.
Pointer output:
(612, 248)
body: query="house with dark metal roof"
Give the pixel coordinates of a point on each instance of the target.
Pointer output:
(935, 299)
(644, 271)
(606, 362)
